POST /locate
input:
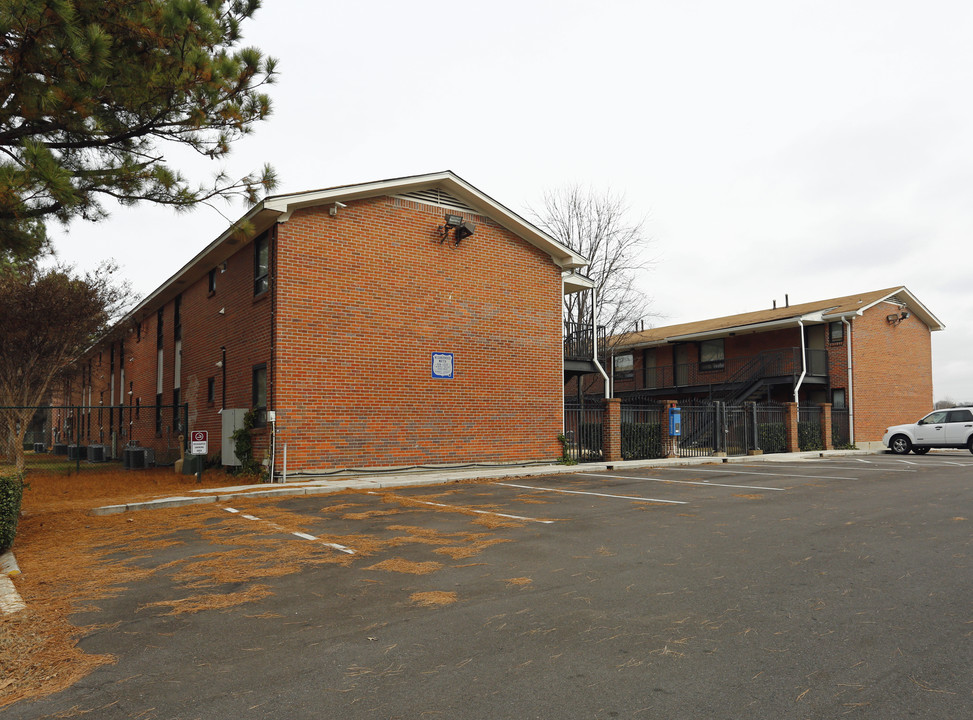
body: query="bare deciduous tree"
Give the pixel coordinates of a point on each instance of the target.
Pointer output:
(47, 319)
(597, 225)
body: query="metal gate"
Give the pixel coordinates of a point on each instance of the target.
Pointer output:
(582, 432)
(718, 428)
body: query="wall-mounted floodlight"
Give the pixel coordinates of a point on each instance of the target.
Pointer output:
(465, 229)
(333, 210)
(462, 228)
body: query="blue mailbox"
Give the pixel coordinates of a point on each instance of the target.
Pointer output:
(675, 421)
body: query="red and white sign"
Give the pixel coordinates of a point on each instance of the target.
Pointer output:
(199, 442)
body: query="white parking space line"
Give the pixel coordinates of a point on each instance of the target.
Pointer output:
(873, 466)
(303, 536)
(744, 472)
(479, 512)
(689, 482)
(582, 492)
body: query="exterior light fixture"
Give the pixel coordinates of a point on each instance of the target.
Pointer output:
(461, 228)
(465, 230)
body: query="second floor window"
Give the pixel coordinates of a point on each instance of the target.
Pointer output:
(711, 355)
(624, 366)
(261, 265)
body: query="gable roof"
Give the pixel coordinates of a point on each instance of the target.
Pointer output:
(819, 311)
(451, 191)
(454, 188)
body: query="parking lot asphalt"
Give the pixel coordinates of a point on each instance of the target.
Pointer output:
(807, 588)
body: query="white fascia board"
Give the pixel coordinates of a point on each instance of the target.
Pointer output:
(793, 321)
(921, 310)
(188, 269)
(562, 255)
(573, 282)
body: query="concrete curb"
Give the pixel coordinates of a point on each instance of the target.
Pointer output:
(440, 477)
(10, 600)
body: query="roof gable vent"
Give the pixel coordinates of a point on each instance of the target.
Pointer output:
(439, 198)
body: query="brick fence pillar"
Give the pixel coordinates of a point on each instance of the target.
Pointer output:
(790, 427)
(827, 441)
(611, 434)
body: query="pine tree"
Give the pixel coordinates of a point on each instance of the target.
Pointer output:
(92, 90)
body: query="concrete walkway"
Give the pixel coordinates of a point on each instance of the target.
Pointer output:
(380, 480)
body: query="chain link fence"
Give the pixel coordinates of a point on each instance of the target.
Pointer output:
(71, 438)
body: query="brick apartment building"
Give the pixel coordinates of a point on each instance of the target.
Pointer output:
(869, 353)
(393, 323)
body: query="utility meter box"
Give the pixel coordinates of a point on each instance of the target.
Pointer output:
(232, 420)
(675, 421)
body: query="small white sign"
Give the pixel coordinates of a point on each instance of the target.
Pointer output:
(199, 442)
(442, 365)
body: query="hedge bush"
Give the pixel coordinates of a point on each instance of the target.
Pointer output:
(809, 436)
(772, 437)
(641, 441)
(11, 493)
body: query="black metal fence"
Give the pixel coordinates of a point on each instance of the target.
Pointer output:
(707, 429)
(582, 432)
(809, 428)
(840, 428)
(641, 430)
(67, 438)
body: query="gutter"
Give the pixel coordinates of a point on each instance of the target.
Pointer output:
(800, 380)
(851, 386)
(594, 342)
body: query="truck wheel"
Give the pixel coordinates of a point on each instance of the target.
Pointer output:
(900, 445)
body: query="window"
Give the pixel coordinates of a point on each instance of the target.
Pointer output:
(138, 332)
(158, 329)
(260, 394)
(138, 406)
(211, 282)
(177, 318)
(261, 265)
(959, 416)
(838, 399)
(711, 355)
(158, 414)
(211, 389)
(836, 332)
(624, 367)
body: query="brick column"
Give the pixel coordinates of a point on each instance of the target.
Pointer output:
(826, 440)
(611, 433)
(790, 427)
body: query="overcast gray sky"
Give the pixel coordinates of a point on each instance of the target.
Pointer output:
(815, 149)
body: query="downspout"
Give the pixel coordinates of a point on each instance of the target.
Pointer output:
(594, 342)
(851, 386)
(797, 387)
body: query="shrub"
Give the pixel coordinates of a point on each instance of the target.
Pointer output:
(641, 440)
(11, 493)
(809, 436)
(243, 445)
(772, 437)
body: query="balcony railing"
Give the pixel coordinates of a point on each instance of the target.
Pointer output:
(735, 372)
(579, 341)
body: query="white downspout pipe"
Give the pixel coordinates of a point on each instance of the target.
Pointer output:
(594, 342)
(851, 386)
(797, 388)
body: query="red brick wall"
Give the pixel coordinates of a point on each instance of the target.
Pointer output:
(892, 371)
(244, 329)
(365, 297)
